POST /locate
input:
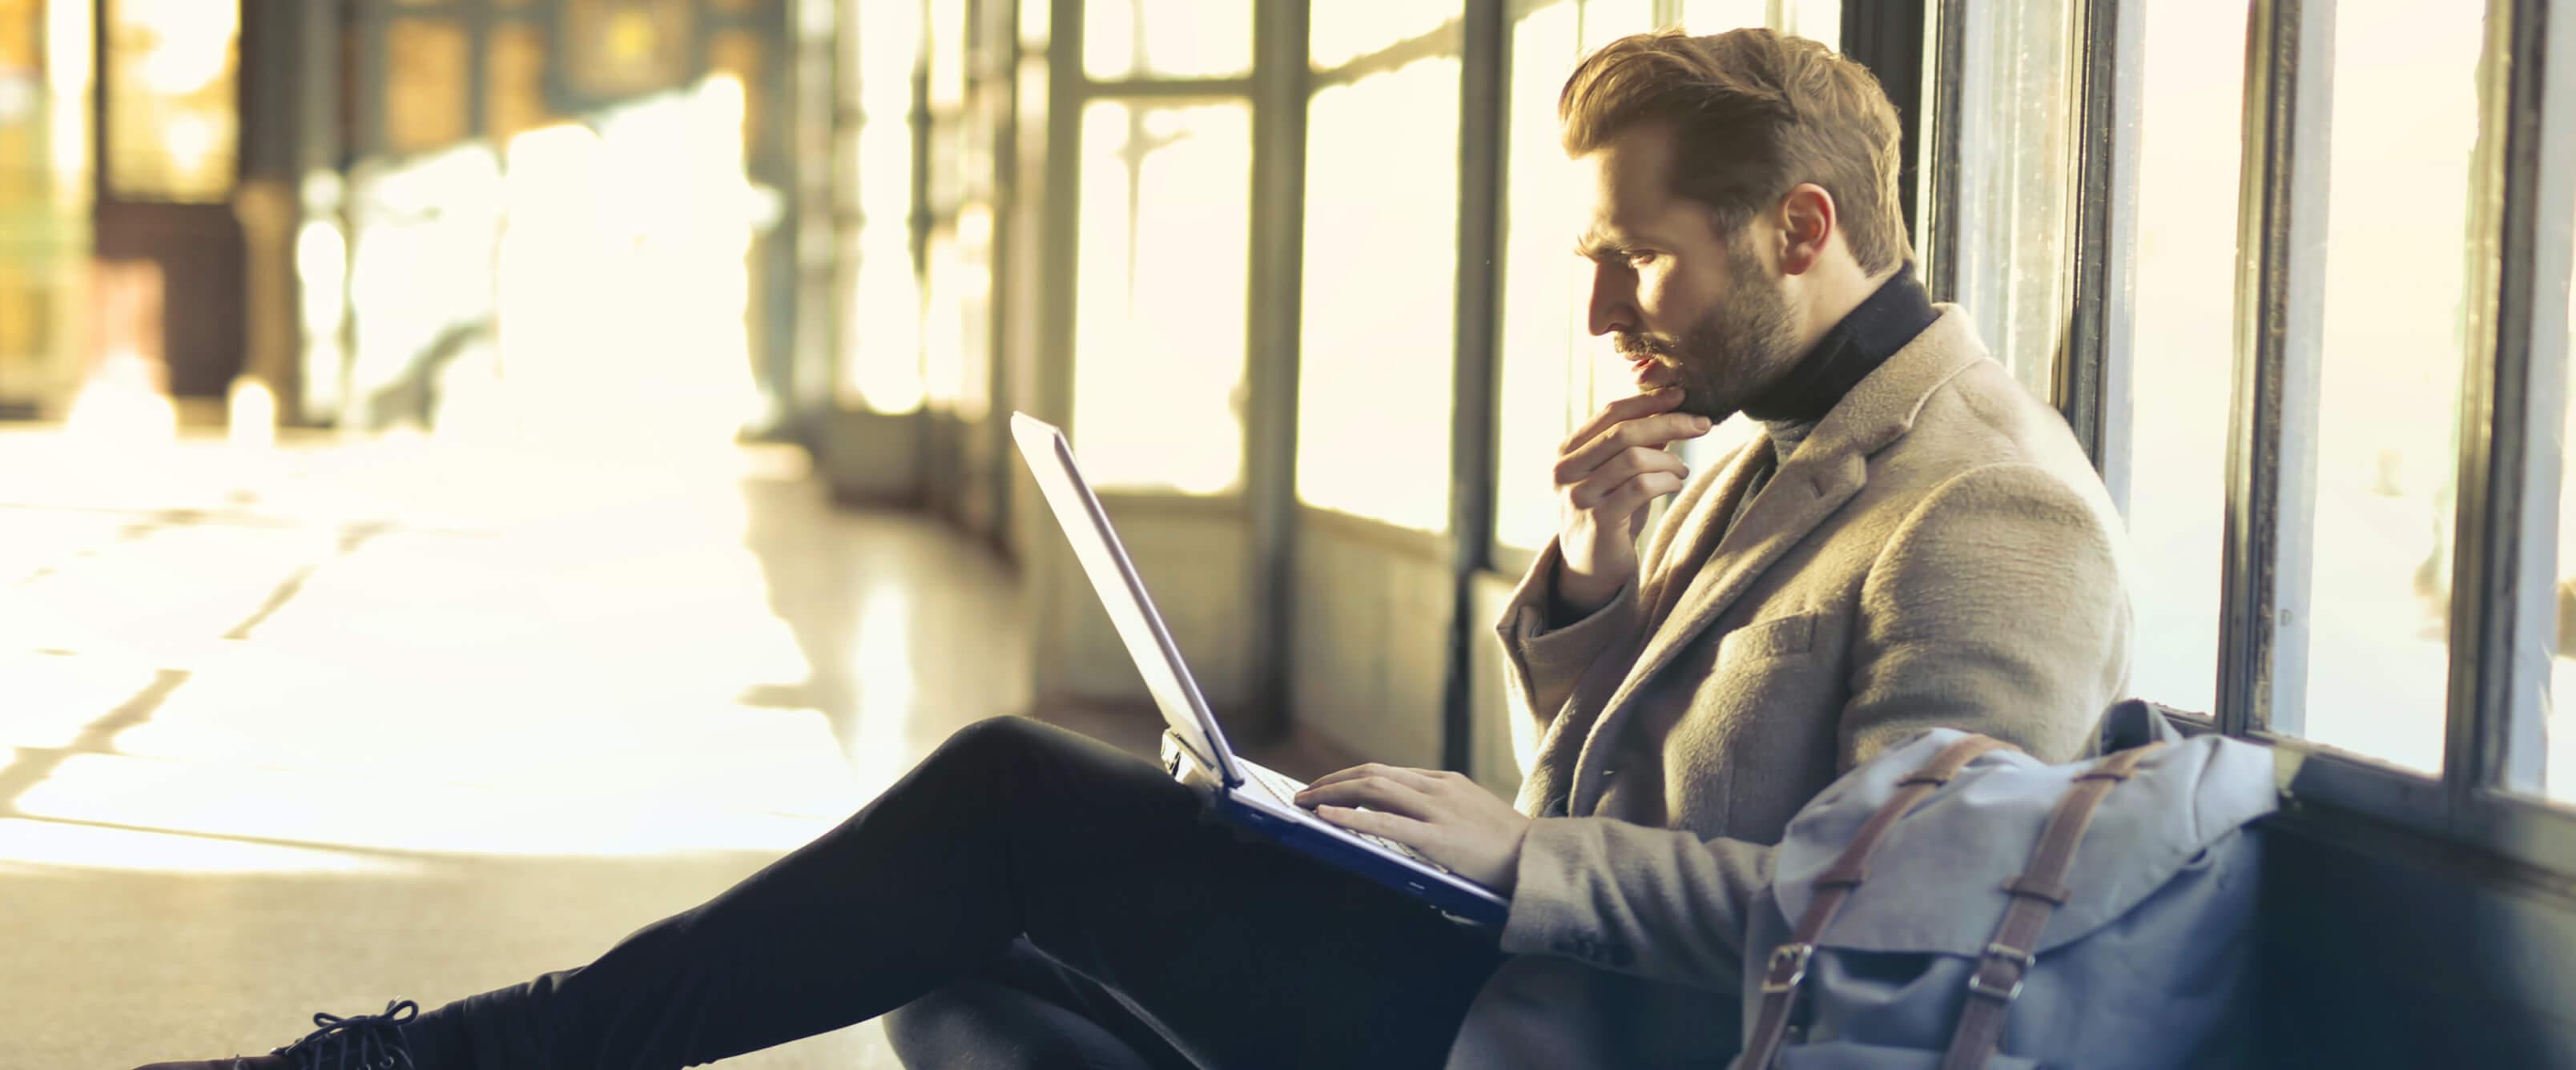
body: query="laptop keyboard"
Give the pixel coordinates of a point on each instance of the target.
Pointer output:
(1286, 789)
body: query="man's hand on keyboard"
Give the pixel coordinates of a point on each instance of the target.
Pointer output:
(1443, 815)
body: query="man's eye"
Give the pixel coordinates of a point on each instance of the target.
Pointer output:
(1640, 259)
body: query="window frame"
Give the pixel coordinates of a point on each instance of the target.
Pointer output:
(2487, 797)
(1497, 555)
(1072, 89)
(1477, 223)
(1264, 495)
(2484, 801)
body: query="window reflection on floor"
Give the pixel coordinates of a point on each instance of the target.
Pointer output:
(344, 656)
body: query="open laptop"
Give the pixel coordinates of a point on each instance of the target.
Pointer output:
(1194, 748)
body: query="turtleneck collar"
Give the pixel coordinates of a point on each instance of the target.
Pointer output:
(1855, 347)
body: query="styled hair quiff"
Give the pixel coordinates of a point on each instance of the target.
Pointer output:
(1753, 114)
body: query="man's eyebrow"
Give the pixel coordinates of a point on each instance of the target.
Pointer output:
(1596, 245)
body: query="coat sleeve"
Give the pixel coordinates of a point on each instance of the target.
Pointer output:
(1543, 658)
(1997, 608)
(1660, 903)
(1541, 662)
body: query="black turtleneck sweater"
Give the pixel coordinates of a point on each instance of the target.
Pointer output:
(1874, 330)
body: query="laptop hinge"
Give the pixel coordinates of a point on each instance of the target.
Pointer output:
(1185, 766)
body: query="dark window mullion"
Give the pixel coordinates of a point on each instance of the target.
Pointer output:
(1944, 99)
(476, 17)
(1059, 224)
(1483, 87)
(2280, 299)
(2093, 374)
(2512, 390)
(1271, 358)
(1166, 89)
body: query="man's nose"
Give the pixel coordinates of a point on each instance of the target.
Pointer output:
(1613, 306)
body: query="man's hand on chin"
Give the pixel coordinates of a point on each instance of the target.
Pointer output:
(1442, 814)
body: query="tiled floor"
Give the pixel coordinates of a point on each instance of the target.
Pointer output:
(310, 729)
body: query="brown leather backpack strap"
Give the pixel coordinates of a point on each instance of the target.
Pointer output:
(2036, 894)
(1788, 964)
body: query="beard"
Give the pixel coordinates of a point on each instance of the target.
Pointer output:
(1732, 351)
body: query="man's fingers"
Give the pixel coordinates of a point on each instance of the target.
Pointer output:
(1647, 432)
(1613, 459)
(1376, 793)
(1420, 778)
(1365, 769)
(1625, 495)
(1401, 829)
(1619, 411)
(1613, 478)
(1643, 489)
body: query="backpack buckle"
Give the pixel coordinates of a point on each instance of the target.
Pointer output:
(2016, 962)
(1787, 968)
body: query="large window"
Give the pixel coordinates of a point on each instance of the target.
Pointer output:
(2191, 103)
(2405, 123)
(1541, 380)
(1162, 241)
(1133, 39)
(966, 116)
(1821, 20)
(1378, 312)
(172, 128)
(1160, 294)
(880, 366)
(2344, 524)
(2014, 147)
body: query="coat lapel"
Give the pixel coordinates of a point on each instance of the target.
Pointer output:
(1696, 535)
(1798, 497)
(1828, 469)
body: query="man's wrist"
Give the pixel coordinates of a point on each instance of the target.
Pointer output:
(1565, 606)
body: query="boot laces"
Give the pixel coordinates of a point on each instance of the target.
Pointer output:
(363, 1042)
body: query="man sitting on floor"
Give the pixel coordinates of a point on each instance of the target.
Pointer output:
(1912, 541)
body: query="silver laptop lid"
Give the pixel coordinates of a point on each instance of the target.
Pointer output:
(1086, 525)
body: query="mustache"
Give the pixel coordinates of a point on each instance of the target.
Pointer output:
(1639, 347)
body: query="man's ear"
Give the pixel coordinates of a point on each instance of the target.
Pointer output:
(1808, 217)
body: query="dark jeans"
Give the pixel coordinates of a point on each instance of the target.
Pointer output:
(1024, 879)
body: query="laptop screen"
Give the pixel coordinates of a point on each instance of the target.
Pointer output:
(1086, 525)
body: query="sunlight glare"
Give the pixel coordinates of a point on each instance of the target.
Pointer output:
(250, 415)
(881, 657)
(88, 847)
(121, 410)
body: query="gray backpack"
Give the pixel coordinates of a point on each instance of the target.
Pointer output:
(1959, 904)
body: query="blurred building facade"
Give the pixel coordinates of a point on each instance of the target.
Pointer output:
(365, 205)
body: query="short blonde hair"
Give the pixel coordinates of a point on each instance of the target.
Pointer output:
(1753, 113)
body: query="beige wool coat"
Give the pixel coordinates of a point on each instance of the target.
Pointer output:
(1938, 552)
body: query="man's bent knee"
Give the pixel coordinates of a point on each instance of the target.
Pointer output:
(997, 742)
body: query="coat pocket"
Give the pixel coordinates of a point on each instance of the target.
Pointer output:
(1768, 639)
